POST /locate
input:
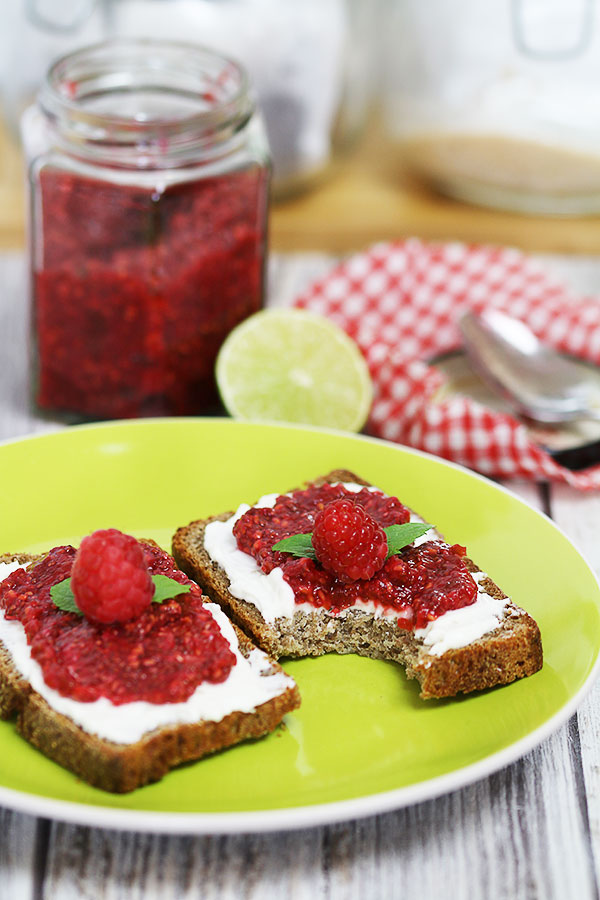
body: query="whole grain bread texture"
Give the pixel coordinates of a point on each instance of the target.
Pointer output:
(120, 768)
(511, 651)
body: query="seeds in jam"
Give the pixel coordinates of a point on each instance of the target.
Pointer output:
(160, 657)
(420, 583)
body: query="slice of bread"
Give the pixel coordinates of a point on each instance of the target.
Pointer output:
(123, 767)
(509, 651)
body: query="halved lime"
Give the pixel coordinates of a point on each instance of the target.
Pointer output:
(291, 365)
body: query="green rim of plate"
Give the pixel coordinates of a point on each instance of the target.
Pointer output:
(362, 741)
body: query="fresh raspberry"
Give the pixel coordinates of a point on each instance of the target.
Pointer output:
(348, 542)
(109, 578)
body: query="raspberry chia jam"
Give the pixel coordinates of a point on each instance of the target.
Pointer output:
(159, 657)
(417, 585)
(149, 176)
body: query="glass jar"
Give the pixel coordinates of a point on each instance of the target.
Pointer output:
(148, 171)
(496, 103)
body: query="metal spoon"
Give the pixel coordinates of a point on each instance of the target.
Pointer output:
(531, 377)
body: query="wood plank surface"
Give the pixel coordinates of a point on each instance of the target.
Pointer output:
(579, 516)
(23, 841)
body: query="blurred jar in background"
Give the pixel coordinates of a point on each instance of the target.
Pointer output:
(33, 33)
(148, 170)
(310, 62)
(496, 103)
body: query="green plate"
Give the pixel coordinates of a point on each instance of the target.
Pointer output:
(362, 741)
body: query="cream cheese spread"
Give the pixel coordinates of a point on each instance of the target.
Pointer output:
(459, 627)
(249, 684)
(6, 568)
(274, 597)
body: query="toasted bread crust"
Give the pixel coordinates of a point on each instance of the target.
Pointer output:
(512, 651)
(120, 768)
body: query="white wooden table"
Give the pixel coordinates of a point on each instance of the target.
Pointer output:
(529, 831)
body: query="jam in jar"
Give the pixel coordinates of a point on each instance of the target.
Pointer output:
(149, 178)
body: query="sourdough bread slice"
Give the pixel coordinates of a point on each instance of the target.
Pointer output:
(122, 767)
(508, 651)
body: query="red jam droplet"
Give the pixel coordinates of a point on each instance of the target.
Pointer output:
(419, 584)
(160, 657)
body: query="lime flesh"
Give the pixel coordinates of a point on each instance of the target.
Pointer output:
(291, 365)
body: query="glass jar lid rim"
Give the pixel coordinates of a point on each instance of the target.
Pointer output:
(59, 97)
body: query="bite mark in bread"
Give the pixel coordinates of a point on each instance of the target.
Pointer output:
(510, 651)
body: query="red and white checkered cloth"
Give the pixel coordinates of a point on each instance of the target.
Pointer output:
(401, 302)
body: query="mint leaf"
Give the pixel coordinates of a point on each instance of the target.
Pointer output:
(62, 596)
(165, 588)
(399, 536)
(297, 545)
